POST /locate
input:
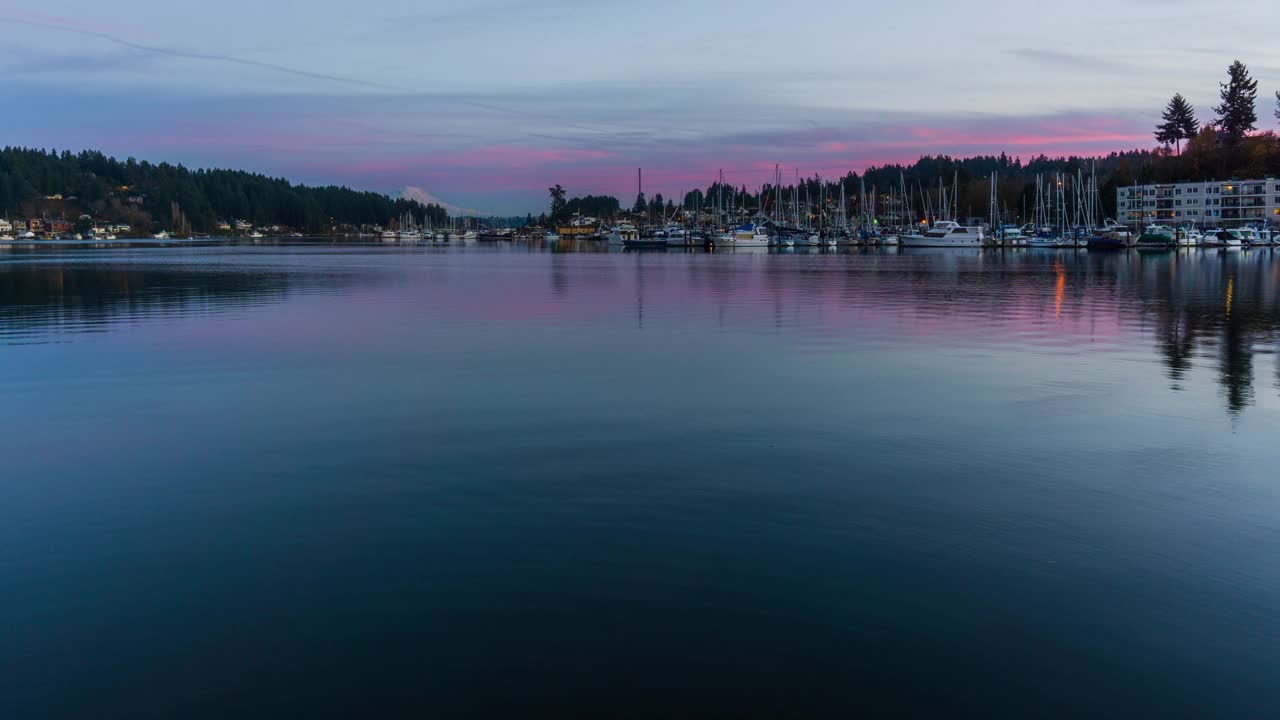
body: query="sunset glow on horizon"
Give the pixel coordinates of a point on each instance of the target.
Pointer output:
(486, 105)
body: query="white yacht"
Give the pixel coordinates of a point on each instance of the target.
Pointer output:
(946, 233)
(750, 235)
(472, 235)
(162, 235)
(620, 234)
(1116, 232)
(1219, 237)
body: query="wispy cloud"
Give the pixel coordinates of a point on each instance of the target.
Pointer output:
(83, 30)
(1079, 61)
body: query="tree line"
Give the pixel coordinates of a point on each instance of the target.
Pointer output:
(1229, 146)
(143, 193)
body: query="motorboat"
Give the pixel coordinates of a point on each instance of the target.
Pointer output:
(1158, 237)
(946, 233)
(1219, 237)
(750, 235)
(620, 234)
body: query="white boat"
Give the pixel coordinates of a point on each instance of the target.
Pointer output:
(162, 235)
(255, 235)
(750, 235)
(815, 240)
(1219, 237)
(28, 235)
(550, 236)
(1011, 236)
(677, 236)
(5, 238)
(473, 235)
(1189, 237)
(1251, 236)
(1116, 232)
(620, 234)
(945, 233)
(1248, 236)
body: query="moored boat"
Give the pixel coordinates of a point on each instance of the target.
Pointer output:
(945, 233)
(750, 235)
(1157, 237)
(619, 234)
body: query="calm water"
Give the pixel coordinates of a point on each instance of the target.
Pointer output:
(312, 480)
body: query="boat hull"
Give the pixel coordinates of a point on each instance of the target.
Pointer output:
(922, 241)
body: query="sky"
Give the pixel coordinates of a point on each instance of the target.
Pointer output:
(483, 104)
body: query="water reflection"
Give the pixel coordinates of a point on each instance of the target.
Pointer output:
(1194, 309)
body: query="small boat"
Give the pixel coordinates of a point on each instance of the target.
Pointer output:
(387, 236)
(1047, 237)
(1251, 236)
(256, 235)
(946, 233)
(550, 236)
(677, 236)
(1010, 235)
(162, 235)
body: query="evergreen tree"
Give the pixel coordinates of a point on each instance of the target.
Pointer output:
(1237, 114)
(641, 205)
(558, 204)
(1179, 123)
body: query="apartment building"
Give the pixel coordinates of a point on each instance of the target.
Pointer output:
(1227, 203)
